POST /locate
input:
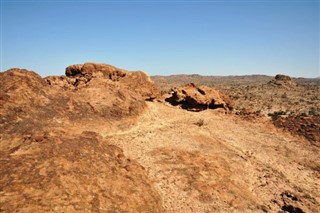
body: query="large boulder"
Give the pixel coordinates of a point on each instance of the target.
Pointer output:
(197, 98)
(90, 70)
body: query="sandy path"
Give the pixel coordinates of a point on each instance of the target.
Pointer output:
(226, 165)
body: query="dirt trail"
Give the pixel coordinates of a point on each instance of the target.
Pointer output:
(226, 165)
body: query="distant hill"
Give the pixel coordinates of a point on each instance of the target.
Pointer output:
(166, 82)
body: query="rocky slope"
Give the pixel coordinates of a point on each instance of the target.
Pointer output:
(53, 171)
(308, 127)
(93, 92)
(90, 142)
(50, 161)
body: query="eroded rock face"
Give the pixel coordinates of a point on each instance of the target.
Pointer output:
(90, 70)
(54, 171)
(81, 75)
(87, 92)
(198, 98)
(21, 87)
(22, 92)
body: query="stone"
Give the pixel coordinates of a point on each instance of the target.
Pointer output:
(197, 98)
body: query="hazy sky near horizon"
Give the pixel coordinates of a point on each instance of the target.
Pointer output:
(163, 37)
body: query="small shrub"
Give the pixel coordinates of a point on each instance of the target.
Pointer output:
(303, 114)
(276, 115)
(313, 111)
(236, 97)
(199, 123)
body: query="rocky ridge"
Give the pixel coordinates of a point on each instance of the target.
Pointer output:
(87, 92)
(52, 158)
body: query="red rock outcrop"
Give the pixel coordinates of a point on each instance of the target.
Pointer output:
(308, 127)
(22, 93)
(20, 87)
(87, 92)
(51, 162)
(92, 74)
(198, 98)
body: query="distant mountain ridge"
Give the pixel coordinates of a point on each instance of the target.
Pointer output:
(222, 81)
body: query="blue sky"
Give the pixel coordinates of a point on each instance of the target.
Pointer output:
(163, 37)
